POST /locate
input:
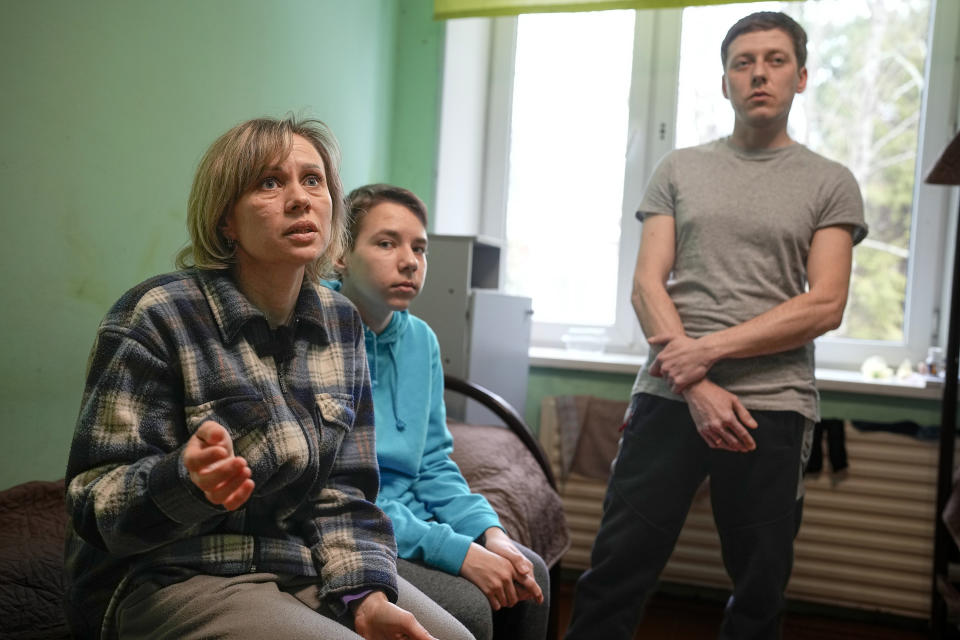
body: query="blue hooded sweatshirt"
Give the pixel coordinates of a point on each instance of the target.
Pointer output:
(435, 517)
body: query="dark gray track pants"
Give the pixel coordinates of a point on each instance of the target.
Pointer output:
(661, 463)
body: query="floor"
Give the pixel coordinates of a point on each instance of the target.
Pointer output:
(684, 618)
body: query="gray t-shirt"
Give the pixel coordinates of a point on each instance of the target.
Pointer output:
(744, 224)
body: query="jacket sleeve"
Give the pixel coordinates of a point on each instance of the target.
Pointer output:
(350, 537)
(442, 489)
(127, 489)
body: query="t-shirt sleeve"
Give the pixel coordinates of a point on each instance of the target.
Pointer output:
(842, 204)
(660, 196)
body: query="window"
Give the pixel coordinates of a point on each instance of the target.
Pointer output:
(596, 99)
(566, 165)
(862, 108)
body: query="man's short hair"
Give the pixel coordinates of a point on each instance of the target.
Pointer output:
(364, 198)
(765, 21)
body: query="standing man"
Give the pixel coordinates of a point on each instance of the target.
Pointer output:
(744, 259)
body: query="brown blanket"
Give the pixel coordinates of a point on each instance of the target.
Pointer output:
(498, 466)
(32, 523)
(589, 432)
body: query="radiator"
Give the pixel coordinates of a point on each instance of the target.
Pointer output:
(866, 542)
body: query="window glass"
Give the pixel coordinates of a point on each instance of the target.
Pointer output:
(570, 117)
(565, 187)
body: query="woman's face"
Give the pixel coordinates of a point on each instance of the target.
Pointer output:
(386, 267)
(283, 221)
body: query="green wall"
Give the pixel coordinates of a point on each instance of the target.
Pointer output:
(545, 382)
(107, 105)
(416, 105)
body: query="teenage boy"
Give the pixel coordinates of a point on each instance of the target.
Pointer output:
(744, 259)
(450, 542)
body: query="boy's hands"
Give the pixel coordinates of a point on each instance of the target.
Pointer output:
(503, 573)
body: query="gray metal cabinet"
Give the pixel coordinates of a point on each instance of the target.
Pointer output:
(484, 334)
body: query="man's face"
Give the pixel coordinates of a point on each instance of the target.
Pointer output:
(762, 77)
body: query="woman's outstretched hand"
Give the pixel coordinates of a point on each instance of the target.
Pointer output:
(223, 477)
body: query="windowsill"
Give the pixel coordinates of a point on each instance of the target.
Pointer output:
(827, 379)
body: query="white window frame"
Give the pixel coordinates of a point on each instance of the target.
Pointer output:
(483, 178)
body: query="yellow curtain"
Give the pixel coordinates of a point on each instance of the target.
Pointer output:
(444, 9)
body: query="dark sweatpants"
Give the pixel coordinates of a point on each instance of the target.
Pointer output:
(662, 462)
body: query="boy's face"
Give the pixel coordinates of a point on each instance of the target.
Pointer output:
(761, 77)
(386, 267)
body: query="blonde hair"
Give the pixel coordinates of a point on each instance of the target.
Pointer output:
(232, 165)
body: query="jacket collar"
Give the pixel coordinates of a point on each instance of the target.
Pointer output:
(232, 311)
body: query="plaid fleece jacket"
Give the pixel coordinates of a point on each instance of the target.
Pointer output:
(187, 347)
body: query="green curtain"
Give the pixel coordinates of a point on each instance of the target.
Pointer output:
(444, 9)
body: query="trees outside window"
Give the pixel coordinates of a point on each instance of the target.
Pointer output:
(862, 108)
(596, 99)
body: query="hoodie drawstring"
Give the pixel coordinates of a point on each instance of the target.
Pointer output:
(373, 344)
(401, 425)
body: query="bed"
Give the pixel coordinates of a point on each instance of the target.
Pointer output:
(503, 462)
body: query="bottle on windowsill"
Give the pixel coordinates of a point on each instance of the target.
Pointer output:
(935, 364)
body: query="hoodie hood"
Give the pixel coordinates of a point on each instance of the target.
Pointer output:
(381, 348)
(435, 516)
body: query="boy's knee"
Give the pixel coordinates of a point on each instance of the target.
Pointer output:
(540, 571)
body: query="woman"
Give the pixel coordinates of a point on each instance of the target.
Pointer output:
(222, 478)
(450, 541)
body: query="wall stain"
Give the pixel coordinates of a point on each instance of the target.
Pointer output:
(101, 264)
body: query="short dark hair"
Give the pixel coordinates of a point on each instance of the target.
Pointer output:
(362, 199)
(765, 21)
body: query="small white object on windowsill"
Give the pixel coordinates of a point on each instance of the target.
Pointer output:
(876, 368)
(588, 339)
(935, 365)
(905, 370)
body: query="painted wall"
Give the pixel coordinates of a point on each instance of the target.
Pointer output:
(107, 106)
(545, 382)
(416, 99)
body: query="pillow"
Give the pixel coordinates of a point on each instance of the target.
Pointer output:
(498, 466)
(32, 529)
